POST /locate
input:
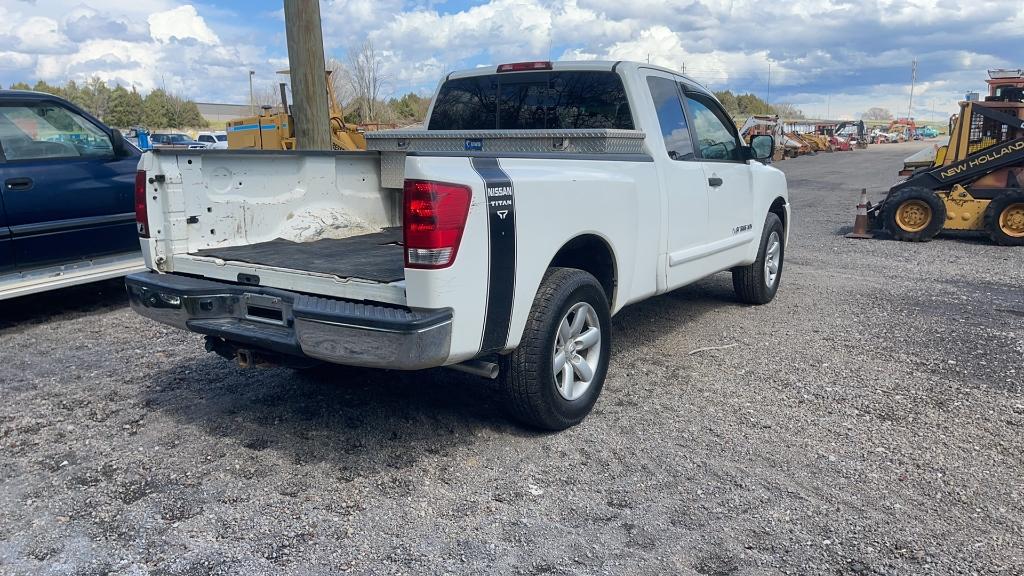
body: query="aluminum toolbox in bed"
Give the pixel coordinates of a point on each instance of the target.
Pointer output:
(395, 144)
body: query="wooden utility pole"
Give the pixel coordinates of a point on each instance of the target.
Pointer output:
(309, 84)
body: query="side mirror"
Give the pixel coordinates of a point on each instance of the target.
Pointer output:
(762, 146)
(117, 142)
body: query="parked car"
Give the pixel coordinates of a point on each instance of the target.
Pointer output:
(214, 140)
(159, 140)
(67, 210)
(542, 199)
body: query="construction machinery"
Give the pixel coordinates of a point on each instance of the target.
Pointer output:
(272, 130)
(902, 130)
(830, 131)
(1005, 84)
(854, 131)
(974, 183)
(764, 125)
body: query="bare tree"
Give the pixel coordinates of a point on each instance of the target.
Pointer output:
(341, 82)
(368, 79)
(268, 94)
(788, 111)
(877, 113)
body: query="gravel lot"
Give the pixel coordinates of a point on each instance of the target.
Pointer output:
(867, 422)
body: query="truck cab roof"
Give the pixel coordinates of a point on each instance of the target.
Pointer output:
(27, 95)
(581, 65)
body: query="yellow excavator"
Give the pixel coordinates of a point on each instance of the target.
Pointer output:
(276, 131)
(975, 183)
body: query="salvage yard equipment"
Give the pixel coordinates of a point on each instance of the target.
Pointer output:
(764, 125)
(854, 131)
(276, 131)
(975, 184)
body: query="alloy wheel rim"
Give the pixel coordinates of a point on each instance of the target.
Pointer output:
(1011, 220)
(577, 351)
(914, 215)
(772, 259)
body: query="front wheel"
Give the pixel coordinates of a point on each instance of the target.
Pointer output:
(758, 282)
(913, 214)
(553, 379)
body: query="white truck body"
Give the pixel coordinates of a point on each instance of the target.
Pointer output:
(661, 222)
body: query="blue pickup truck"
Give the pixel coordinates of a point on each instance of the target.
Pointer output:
(67, 212)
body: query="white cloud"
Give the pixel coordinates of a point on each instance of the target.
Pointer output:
(858, 51)
(15, 60)
(179, 24)
(85, 23)
(35, 35)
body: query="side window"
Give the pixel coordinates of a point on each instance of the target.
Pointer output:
(715, 139)
(47, 130)
(670, 117)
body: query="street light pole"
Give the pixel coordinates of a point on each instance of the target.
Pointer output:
(252, 104)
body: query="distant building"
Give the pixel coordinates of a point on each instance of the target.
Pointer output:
(220, 113)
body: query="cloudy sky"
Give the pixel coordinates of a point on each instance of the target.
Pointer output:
(826, 56)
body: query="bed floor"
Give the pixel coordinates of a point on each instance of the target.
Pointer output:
(377, 256)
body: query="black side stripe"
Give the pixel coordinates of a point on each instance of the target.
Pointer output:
(501, 277)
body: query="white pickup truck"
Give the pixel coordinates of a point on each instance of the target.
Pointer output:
(540, 200)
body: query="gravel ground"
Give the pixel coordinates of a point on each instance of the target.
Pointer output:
(867, 422)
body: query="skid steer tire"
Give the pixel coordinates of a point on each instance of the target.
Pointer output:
(537, 396)
(1004, 219)
(913, 215)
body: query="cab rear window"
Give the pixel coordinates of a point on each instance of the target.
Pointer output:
(533, 100)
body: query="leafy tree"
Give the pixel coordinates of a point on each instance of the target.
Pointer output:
(42, 86)
(157, 109)
(728, 100)
(74, 94)
(743, 105)
(187, 114)
(126, 108)
(20, 86)
(163, 110)
(877, 113)
(410, 108)
(96, 97)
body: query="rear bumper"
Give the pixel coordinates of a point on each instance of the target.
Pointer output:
(337, 331)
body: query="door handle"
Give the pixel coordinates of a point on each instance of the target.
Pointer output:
(714, 181)
(14, 184)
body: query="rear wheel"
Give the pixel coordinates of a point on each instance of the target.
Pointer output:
(1004, 219)
(553, 379)
(914, 214)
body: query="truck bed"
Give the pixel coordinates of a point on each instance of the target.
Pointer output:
(377, 257)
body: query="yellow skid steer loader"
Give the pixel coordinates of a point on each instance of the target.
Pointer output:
(975, 184)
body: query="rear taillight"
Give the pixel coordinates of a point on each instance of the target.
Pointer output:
(141, 213)
(524, 66)
(434, 218)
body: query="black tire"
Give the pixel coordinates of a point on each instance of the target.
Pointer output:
(1000, 204)
(751, 283)
(934, 224)
(527, 374)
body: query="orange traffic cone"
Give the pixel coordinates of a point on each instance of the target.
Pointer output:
(860, 225)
